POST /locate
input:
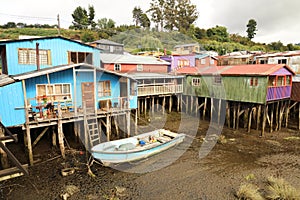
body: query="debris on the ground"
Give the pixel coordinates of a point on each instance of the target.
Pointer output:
(67, 171)
(120, 191)
(69, 191)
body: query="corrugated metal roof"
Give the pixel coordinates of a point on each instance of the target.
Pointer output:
(138, 76)
(131, 59)
(62, 68)
(236, 70)
(5, 80)
(107, 42)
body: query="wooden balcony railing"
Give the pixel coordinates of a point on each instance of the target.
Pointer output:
(159, 89)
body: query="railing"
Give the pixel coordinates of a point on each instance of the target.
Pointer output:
(159, 89)
(280, 92)
(114, 103)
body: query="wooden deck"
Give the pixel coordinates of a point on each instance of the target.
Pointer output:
(159, 89)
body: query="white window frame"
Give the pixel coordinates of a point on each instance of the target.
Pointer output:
(104, 91)
(27, 56)
(52, 96)
(139, 68)
(117, 67)
(203, 61)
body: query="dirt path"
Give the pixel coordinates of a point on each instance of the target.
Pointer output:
(217, 176)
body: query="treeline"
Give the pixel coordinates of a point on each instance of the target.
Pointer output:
(24, 25)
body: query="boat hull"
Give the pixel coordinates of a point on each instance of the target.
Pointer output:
(113, 156)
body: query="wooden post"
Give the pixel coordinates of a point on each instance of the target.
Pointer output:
(197, 106)
(192, 104)
(258, 117)
(60, 132)
(3, 154)
(152, 107)
(228, 113)
(264, 120)
(234, 115)
(186, 104)
(272, 118)
(238, 115)
(53, 137)
(250, 119)
(211, 109)
(204, 109)
(136, 123)
(128, 123)
(157, 104)
(246, 117)
(145, 109)
(178, 103)
(139, 107)
(170, 104)
(28, 136)
(142, 107)
(164, 105)
(108, 127)
(277, 116)
(117, 127)
(287, 114)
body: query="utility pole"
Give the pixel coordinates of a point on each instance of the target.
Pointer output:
(58, 24)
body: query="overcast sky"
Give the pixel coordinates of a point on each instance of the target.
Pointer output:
(277, 20)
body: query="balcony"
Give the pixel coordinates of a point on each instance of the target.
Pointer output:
(159, 89)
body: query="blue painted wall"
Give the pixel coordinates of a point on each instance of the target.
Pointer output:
(11, 97)
(59, 48)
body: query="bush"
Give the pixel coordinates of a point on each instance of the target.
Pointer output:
(248, 192)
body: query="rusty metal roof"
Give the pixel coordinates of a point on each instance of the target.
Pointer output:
(236, 70)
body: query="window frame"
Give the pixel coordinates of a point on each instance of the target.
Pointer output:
(217, 80)
(117, 67)
(196, 82)
(253, 81)
(29, 56)
(53, 94)
(105, 87)
(77, 55)
(139, 67)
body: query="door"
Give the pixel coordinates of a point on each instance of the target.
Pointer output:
(3, 64)
(88, 96)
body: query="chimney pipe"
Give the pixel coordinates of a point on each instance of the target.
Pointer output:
(37, 53)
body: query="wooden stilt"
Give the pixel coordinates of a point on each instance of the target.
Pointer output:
(178, 102)
(139, 107)
(3, 154)
(250, 119)
(264, 120)
(228, 113)
(180, 107)
(192, 104)
(76, 133)
(205, 106)
(108, 127)
(277, 116)
(272, 118)
(219, 111)
(157, 103)
(246, 117)
(234, 115)
(186, 104)
(145, 109)
(39, 137)
(164, 105)
(53, 137)
(258, 117)
(116, 126)
(197, 106)
(287, 114)
(170, 104)
(152, 107)
(136, 123)
(211, 109)
(299, 116)
(238, 115)
(100, 129)
(281, 114)
(60, 132)
(128, 123)
(142, 107)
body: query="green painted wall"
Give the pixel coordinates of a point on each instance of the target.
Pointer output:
(234, 88)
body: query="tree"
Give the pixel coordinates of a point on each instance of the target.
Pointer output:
(145, 21)
(136, 15)
(157, 13)
(10, 25)
(218, 33)
(82, 19)
(105, 23)
(251, 28)
(170, 15)
(187, 14)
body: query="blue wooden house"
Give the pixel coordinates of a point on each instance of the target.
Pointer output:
(20, 56)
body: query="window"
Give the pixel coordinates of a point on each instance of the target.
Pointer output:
(53, 92)
(133, 88)
(288, 80)
(104, 89)
(272, 81)
(117, 67)
(182, 63)
(196, 82)
(28, 56)
(212, 62)
(217, 80)
(139, 68)
(280, 81)
(253, 81)
(282, 61)
(81, 57)
(203, 61)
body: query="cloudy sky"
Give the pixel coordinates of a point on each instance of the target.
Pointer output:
(277, 20)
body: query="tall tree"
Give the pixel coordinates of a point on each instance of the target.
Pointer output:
(187, 14)
(170, 13)
(157, 13)
(145, 21)
(80, 18)
(251, 28)
(136, 15)
(105, 23)
(91, 16)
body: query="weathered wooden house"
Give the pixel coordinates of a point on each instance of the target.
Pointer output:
(185, 49)
(132, 63)
(20, 56)
(235, 59)
(57, 81)
(108, 46)
(244, 86)
(204, 60)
